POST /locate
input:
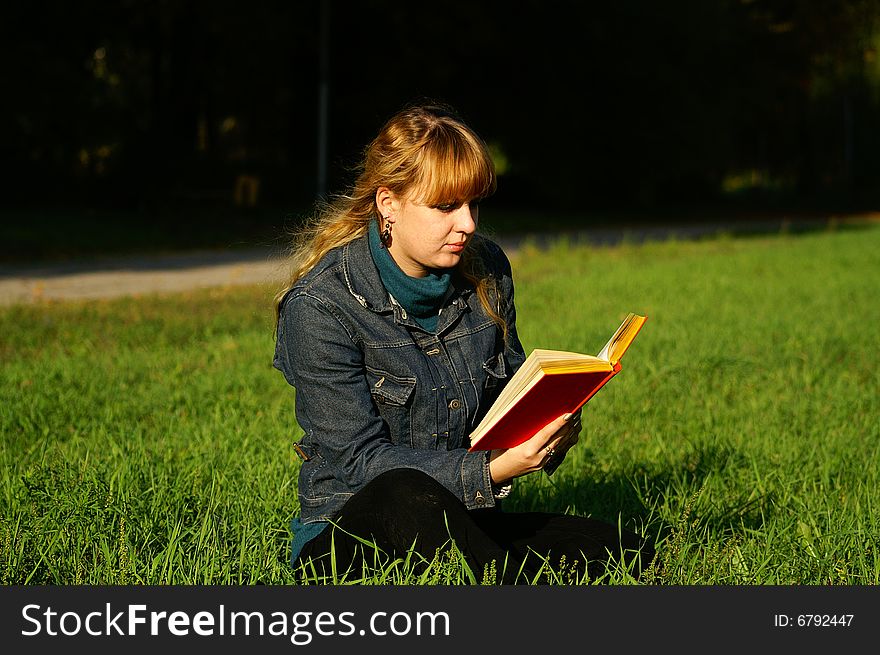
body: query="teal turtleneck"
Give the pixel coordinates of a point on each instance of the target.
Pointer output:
(421, 297)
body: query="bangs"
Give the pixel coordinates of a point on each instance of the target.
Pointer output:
(455, 168)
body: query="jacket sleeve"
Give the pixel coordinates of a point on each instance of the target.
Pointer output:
(321, 358)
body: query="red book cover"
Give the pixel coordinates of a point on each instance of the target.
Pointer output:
(551, 396)
(551, 383)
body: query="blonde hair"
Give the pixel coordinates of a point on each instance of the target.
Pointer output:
(424, 149)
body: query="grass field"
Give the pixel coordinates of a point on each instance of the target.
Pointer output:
(149, 440)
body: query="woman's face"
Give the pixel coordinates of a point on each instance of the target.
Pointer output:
(424, 238)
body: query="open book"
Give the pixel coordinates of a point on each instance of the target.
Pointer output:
(548, 384)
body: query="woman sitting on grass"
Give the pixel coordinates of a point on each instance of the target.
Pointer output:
(398, 330)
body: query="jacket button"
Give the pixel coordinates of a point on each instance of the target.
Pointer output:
(455, 403)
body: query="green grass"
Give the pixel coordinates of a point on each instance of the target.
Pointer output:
(149, 440)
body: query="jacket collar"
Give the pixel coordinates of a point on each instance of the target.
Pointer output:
(365, 285)
(362, 276)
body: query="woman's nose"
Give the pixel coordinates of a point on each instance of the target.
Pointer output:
(467, 219)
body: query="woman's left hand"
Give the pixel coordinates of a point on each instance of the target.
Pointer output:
(550, 443)
(565, 443)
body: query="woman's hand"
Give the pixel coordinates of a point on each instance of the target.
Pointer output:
(553, 439)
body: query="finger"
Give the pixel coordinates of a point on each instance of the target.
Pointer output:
(549, 452)
(571, 431)
(568, 433)
(557, 443)
(556, 451)
(566, 443)
(563, 438)
(549, 433)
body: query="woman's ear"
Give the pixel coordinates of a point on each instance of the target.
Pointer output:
(386, 201)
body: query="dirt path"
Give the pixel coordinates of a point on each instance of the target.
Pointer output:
(147, 274)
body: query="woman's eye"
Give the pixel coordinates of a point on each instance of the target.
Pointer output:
(452, 206)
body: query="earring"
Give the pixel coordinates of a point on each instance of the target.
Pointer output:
(386, 233)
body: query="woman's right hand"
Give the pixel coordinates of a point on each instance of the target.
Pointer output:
(532, 454)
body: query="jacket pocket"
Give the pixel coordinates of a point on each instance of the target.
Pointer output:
(387, 388)
(392, 396)
(496, 371)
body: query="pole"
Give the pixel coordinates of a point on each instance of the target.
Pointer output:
(323, 97)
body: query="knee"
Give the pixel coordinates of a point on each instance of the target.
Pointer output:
(402, 482)
(409, 487)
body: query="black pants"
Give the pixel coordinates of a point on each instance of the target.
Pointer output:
(405, 509)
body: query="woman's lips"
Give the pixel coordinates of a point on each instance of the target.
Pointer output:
(456, 247)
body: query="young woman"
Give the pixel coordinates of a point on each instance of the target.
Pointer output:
(398, 330)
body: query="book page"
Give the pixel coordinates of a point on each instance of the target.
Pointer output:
(622, 338)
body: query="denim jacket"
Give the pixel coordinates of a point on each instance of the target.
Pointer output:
(374, 391)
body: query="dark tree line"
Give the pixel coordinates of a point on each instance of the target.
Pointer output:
(137, 103)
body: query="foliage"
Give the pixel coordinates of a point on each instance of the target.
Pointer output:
(141, 103)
